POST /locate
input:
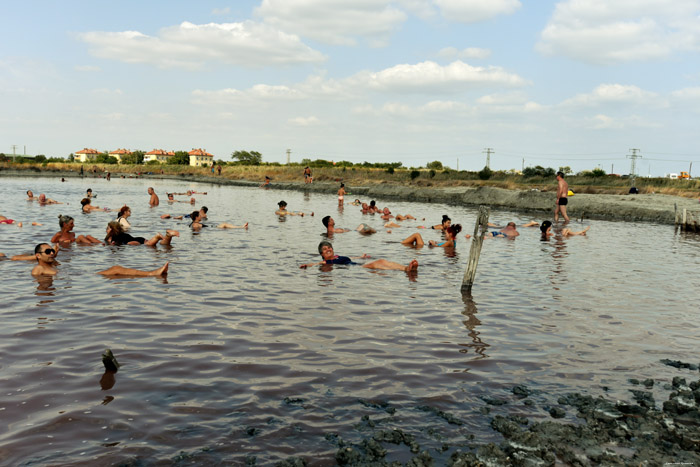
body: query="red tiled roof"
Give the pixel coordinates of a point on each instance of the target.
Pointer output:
(121, 151)
(160, 152)
(88, 151)
(200, 152)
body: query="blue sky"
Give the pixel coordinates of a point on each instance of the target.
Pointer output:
(555, 83)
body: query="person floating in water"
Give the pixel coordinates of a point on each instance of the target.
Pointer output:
(329, 223)
(562, 198)
(546, 229)
(329, 257)
(43, 200)
(88, 207)
(450, 237)
(282, 211)
(117, 236)
(66, 236)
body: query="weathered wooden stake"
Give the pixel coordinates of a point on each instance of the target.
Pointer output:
(684, 225)
(479, 231)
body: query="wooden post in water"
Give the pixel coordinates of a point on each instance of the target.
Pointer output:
(479, 231)
(684, 223)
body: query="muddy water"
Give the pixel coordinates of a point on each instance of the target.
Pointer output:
(239, 354)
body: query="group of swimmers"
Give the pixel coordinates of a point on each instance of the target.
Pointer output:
(116, 234)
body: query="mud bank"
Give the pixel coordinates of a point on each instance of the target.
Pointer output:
(656, 208)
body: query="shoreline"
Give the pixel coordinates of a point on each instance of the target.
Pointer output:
(655, 208)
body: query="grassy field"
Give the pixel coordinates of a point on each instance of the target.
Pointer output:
(358, 176)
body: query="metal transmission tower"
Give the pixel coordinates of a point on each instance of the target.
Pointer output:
(633, 170)
(14, 153)
(488, 152)
(289, 152)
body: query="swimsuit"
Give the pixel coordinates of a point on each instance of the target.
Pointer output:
(498, 234)
(339, 260)
(563, 201)
(7, 221)
(340, 197)
(124, 238)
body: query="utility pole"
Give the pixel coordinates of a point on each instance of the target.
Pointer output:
(289, 152)
(523, 169)
(612, 168)
(14, 153)
(488, 152)
(458, 164)
(690, 170)
(634, 156)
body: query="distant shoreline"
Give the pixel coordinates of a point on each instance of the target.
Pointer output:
(656, 208)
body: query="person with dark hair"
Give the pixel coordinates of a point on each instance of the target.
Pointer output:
(450, 238)
(46, 260)
(117, 236)
(562, 198)
(373, 208)
(89, 194)
(124, 213)
(329, 223)
(30, 195)
(307, 175)
(266, 182)
(444, 224)
(282, 211)
(65, 235)
(546, 229)
(329, 257)
(341, 193)
(88, 207)
(196, 224)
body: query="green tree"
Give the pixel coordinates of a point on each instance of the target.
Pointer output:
(566, 170)
(435, 165)
(485, 173)
(71, 157)
(247, 157)
(40, 158)
(180, 158)
(105, 158)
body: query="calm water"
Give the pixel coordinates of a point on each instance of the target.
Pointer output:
(239, 353)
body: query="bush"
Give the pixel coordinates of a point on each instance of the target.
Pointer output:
(485, 173)
(435, 165)
(431, 173)
(390, 170)
(415, 174)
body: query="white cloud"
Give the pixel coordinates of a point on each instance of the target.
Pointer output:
(473, 11)
(615, 94)
(304, 121)
(191, 46)
(605, 32)
(88, 68)
(430, 76)
(221, 11)
(338, 22)
(687, 94)
(606, 122)
(466, 54)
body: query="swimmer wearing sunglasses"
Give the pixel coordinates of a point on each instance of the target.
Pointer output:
(46, 258)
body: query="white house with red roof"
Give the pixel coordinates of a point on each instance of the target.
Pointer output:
(119, 153)
(158, 155)
(200, 158)
(86, 155)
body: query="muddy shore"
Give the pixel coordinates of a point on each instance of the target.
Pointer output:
(655, 208)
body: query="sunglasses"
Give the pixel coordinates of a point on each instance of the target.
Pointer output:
(49, 251)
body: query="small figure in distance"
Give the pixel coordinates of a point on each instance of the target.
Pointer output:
(562, 198)
(399, 217)
(8, 221)
(446, 222)
(357, 202)
(450, 237)
(197, 225)
(373, 208)
(30, 195)
(266, 182)
(66, 236)
(89, 194)
(128, 272)
(153, 201)
(46, 260)
(307, 175)
(328, 256)
(341, 193)
(88, 207)
(117, 236)
(509, 231)
(386, 214)
(218, 169)
(365, 208)
(282, 211)
(43, 200)
(329, 223)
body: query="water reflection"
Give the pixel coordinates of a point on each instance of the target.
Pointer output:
(108, 380)
(471, 322)
(45, 287)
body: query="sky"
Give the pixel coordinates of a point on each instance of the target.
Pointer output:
(578, 83)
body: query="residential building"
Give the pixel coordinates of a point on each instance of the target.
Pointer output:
(119, 153)
(201, 158)
(159, 155)
(86, 155)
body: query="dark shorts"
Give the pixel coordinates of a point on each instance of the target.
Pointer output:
(563, 201)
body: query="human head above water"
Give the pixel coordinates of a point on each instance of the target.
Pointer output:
(282, 204)
(322, 244)
(454, 230)
(64, 220)
(123, 210)
(325, 221)
(545, 226)
(40, 247)
(85, 201)
(446, 221)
